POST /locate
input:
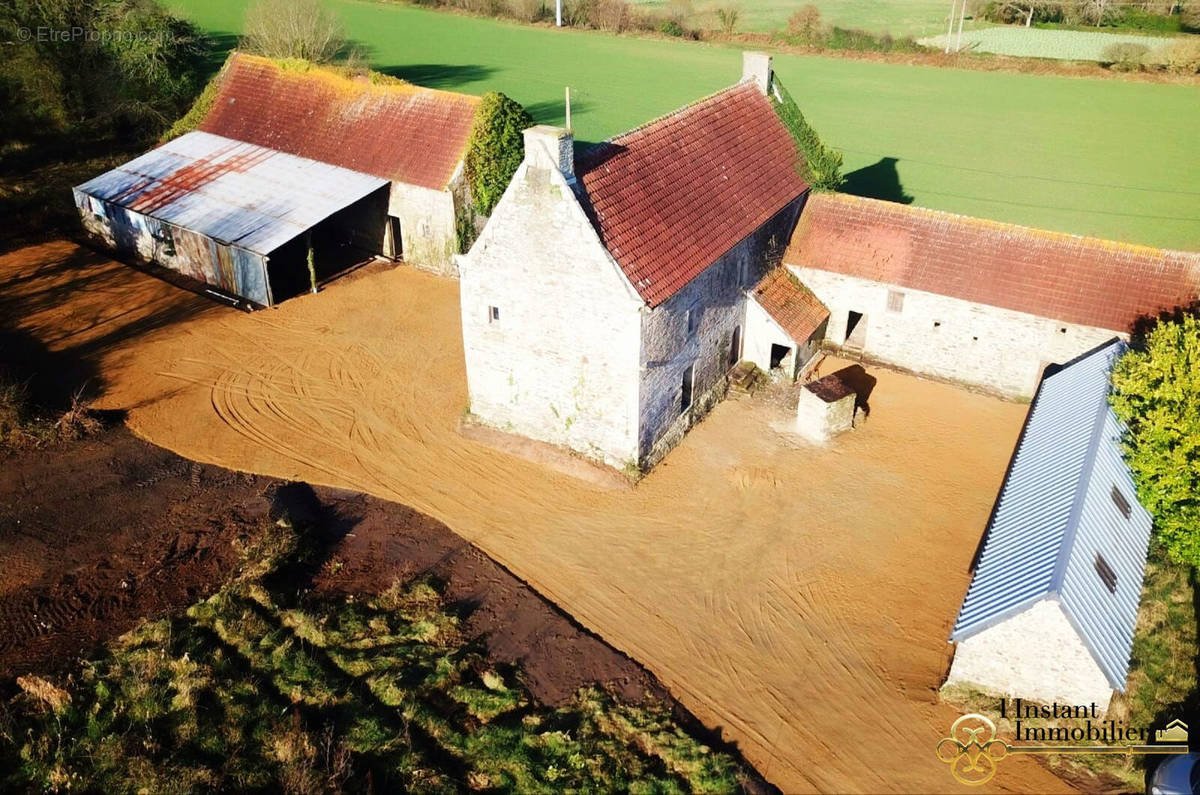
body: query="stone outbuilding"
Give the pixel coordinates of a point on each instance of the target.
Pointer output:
(825, 407)
(1052, 606)
(414, 137)
(605, 302)
(785, 324)
(973, 301)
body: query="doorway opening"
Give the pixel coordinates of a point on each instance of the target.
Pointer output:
(778, 354)
(685, 402)
(735, 347)
(392, 244)
(856, 330)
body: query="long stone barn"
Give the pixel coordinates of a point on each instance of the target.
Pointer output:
(977, 302)
(294, 149)
(605, 302)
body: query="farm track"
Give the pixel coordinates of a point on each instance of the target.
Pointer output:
(796, 597)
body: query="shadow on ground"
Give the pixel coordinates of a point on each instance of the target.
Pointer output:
(879, 180)
(439, 75)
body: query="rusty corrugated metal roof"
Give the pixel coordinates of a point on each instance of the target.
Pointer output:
(398, 131)
(231, 191)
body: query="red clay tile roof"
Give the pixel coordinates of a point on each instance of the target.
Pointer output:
(1074, 279)
(790, 304)
(670, 197)
(397, 131)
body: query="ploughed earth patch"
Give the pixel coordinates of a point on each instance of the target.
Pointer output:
(173, 564)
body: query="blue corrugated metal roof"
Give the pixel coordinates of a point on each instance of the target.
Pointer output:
(234, 192)
(1057, 513)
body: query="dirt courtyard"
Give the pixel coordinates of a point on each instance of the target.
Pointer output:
(797, 597)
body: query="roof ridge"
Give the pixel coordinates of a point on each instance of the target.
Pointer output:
(596, 147)
(850, 198)
(333, 72)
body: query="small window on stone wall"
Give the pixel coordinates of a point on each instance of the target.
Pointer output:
(895, 301)
(1107, 575)
(691, 321)
(493, 314)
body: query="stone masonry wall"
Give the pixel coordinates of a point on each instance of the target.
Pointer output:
(1036, 655)
(427, 227)
(997, 349)
(715, 301)
(560, 363)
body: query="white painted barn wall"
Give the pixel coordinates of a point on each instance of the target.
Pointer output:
(718, 298)
(986, 346)
(427, 226)
(1036, 655)
(561, 363)
(762, 332)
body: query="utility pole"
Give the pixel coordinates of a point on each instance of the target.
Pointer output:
(568, 106)
(950, 27)
(962, 15)
(558, 15)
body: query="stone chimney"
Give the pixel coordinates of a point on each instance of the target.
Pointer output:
(756, 67)
(549, 148)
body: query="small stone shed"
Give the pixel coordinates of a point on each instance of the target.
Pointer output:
(825, 407)
(785, 324)
(413, 137)
(1051, 608)
(972, 300)
(242, 219)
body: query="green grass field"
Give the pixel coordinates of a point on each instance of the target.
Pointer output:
(898, 17)
(1108, 158)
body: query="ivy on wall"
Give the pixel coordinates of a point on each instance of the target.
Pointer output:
(495, 148)
(822, 166)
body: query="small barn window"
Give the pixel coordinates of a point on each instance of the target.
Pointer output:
(937, 324)
(895, 302)
(493, 314)
(685, 401)
(1107, 575)
(1122, 504)
(691, 321)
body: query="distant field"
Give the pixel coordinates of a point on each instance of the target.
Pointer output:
(1072, 45)
(898, 17)
(1101, 157)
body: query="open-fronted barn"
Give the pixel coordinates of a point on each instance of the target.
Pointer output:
(251, 223)
(1051, 609)
(971, 300)
(605, 302)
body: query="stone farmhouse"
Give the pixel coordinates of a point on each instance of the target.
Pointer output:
(1053, 603)
(605, 302)
(978, 302)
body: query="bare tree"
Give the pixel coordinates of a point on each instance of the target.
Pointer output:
(294, 29)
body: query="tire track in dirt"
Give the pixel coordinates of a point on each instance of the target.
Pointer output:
(754, 575)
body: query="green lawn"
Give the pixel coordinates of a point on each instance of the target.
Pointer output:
(1100, 157)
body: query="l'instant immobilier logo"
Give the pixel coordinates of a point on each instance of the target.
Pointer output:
(973, 750)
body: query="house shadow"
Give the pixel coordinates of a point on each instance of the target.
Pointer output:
(554, 112)
(879, 180)
(862, 382)
(438, 75)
